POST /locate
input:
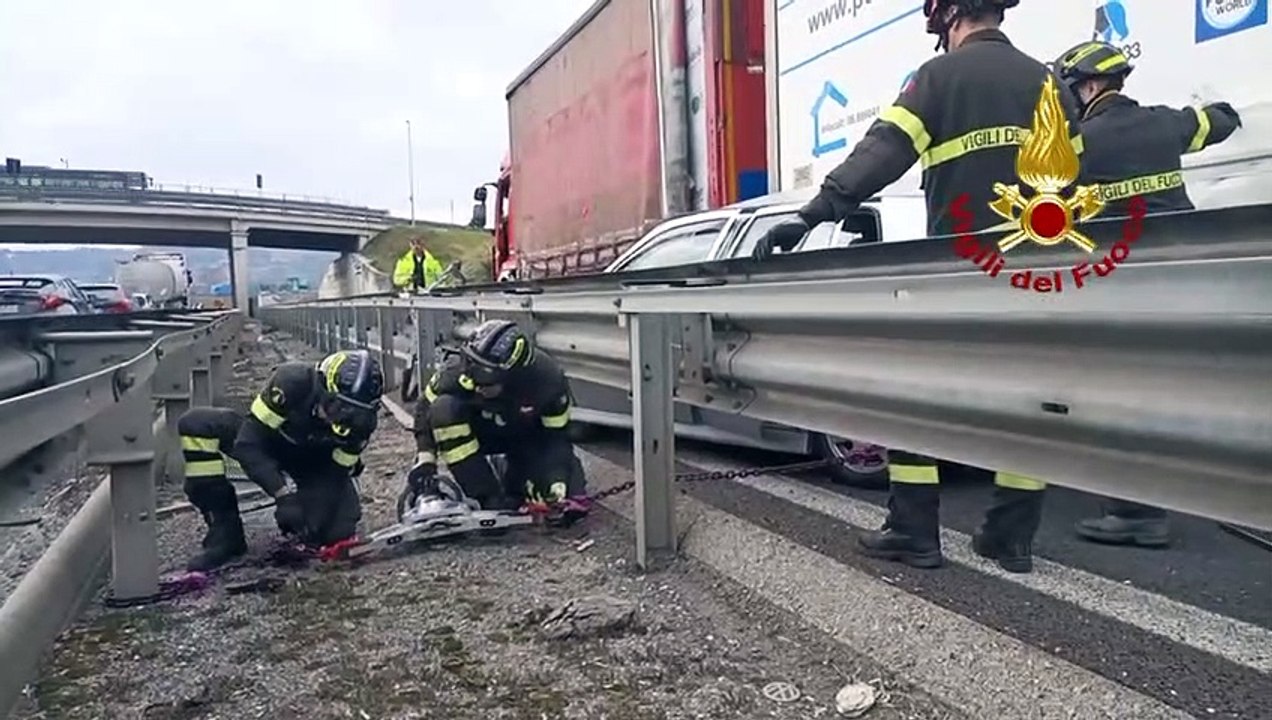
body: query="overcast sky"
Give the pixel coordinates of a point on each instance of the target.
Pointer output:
(312, 94)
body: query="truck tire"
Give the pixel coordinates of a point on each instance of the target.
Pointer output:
(855, 463)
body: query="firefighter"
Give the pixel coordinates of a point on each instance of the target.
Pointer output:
(417, 269)
(959, 116)
(300, 442)
(499, 396)
(1131, 149)
(1134, 151)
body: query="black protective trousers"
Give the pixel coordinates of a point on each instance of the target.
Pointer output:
(536, 457)
(327, 492)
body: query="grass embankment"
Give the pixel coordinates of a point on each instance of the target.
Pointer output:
(471, 247)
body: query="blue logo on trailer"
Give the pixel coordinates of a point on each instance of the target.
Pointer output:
(829, 92)
(1217, 18)
(1110, 22)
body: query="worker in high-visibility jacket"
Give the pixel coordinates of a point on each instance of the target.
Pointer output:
(300, 441)
(500, 396)
(417, 269)
(1134, 151)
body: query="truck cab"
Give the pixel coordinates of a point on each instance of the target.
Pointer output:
(503, 253)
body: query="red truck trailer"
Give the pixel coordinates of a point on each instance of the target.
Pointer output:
(640, 110)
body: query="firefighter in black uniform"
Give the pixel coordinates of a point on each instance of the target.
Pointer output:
(962, 117)
(300, 442)
(499, 396)
(1134, 151)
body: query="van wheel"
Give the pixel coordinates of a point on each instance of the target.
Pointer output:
(855, 463)
(581, 432)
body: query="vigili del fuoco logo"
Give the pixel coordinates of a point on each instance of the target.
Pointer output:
(1046, 163)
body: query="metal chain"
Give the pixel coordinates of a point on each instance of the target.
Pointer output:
(710, 475)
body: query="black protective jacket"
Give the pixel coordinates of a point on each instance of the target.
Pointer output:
(283, 430)
(451, 416)
(1134, 150)
(963, 116)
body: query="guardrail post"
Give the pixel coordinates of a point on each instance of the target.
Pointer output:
(171, 388)
(200, 375)
(432, 328)
(388, 337)
(348, 321)
(218, 372)
(361, 326)
(122, 438)
(654, 438)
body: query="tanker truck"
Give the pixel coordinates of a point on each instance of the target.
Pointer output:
(162, 277)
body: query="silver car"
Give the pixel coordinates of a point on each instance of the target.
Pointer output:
(731, 232)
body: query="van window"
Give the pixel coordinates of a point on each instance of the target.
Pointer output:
(857, 229)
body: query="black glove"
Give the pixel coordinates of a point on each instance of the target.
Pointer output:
(421, 480)
(289, 514)
(422, 473)
(1228, 110)
(785, 235)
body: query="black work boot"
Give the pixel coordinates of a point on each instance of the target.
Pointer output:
(224, 542)
(1118, 529)
(912, 533)
(1008, 531)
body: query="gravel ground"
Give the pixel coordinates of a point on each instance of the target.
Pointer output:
(459, 630)
(51, 492)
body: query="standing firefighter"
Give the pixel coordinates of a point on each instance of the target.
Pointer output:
(417, 269)
(1134, 151)
(502, 397)
(963, 116)
(300, 442)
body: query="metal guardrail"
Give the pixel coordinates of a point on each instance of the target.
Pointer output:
(1152, 384)
(109, 376)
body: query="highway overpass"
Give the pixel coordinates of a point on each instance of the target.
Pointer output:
(234, 222)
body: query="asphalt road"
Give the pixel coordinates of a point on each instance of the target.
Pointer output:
(1188, 625)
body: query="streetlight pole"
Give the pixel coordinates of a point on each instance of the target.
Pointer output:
(410, 168)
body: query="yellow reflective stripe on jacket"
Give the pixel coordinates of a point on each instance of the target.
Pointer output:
(460, 453)
(910, 124)
(199, 444)
(467, 383)
(1143, 185)
(266, 414)
(1203, 130)
(204, 468)
(983, 139)
(429, 393)
(1017, 482)
(558, 421)
(344, 459)
(913, 474)
(452, 432)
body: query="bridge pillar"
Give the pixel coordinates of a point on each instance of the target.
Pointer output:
(240, 278)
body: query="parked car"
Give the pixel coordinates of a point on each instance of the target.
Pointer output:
(108, 297)
(41, 295)
(732, 232)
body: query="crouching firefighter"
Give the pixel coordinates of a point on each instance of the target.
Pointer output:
(300, 442)
(500, 396)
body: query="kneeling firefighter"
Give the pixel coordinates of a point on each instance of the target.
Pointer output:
(500, 396)
(300, 442)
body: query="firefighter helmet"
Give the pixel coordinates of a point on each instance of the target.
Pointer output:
(495, 349)
(1091, 60)
(352, 383)
(939, 22)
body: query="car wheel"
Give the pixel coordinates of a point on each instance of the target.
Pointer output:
(854, 463)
